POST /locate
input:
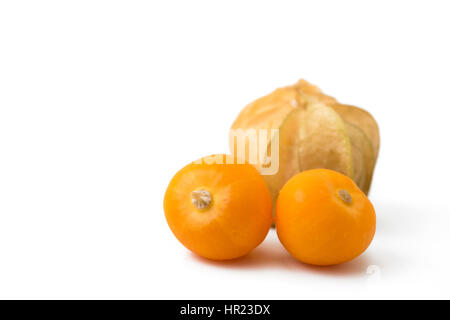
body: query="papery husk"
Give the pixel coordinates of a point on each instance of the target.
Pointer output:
(315, 131)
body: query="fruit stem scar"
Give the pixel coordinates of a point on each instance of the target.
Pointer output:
(201, 199)
(345, 196)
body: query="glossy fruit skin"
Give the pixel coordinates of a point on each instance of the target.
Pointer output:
(238, 218)
(316, 226)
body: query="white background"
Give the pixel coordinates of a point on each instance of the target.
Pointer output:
(101, 102)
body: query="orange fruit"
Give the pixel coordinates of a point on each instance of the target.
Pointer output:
(323, 218)
(217, 208)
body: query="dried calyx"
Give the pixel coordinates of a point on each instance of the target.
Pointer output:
(314, 131)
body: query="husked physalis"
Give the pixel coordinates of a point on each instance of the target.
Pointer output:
(323, 218)
(217, 208)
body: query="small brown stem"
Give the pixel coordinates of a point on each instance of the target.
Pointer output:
(201, 199)
(345, 196)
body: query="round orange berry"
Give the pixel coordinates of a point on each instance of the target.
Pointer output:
(323, 218)
(217, 208)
